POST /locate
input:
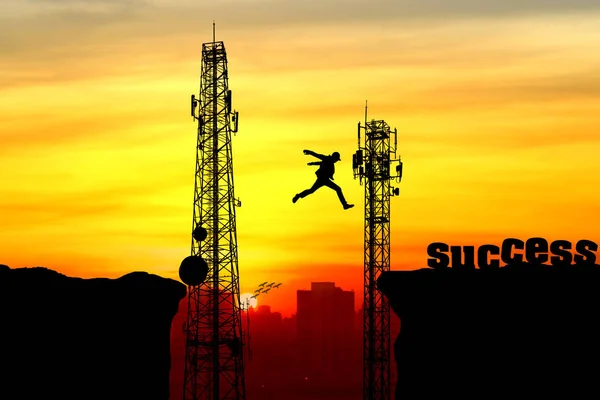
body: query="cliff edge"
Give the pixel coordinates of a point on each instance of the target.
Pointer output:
(520, 330)
(81, 339)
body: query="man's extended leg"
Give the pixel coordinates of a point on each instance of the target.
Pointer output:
(338, 190)
(315, 186)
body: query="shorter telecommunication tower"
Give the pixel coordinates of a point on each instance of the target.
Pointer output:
(263, 288)
(373, 162)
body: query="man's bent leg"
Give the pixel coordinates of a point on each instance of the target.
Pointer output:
(338, 190)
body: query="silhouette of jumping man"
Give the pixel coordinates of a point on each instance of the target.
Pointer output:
(324, 177)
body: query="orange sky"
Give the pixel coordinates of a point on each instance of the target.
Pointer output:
(497, 111)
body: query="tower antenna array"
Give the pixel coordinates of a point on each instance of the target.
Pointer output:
(214, 367)
(373, 163)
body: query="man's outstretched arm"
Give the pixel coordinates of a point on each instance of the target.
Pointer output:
(312, 153)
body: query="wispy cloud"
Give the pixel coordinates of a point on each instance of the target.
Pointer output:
(284, 12)
(242, 14)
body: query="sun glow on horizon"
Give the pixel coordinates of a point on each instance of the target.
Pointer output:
(248, 299)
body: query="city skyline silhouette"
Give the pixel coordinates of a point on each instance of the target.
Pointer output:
(316, 352)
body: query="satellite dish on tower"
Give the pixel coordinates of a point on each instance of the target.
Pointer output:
(193, 270)
(200, 233)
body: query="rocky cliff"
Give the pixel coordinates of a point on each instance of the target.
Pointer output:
(81, 339)
(518, 331)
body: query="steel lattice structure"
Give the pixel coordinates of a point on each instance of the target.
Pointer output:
(373, 162)
(214, 367)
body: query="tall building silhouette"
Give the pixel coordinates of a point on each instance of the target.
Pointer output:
(265, 369)
(325, 331)
(266, 329)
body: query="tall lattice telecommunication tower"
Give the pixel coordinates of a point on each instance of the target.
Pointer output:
(214, 367)
(373, 162)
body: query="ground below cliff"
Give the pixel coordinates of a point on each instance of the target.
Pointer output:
(82, 339)
(518, 331)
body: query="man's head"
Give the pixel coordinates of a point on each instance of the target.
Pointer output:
(336, 156)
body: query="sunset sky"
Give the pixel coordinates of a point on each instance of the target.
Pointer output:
(497, 106)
